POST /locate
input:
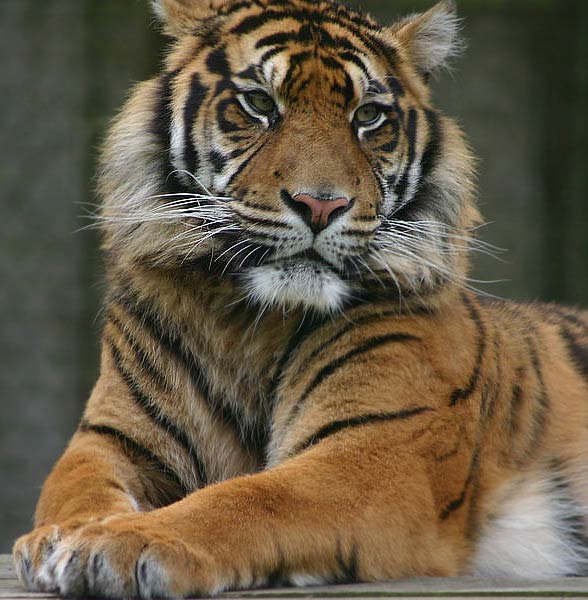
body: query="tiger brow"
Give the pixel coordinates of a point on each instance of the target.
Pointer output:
(252, 73)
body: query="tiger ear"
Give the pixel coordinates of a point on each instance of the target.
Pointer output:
(181, 17)
(431, 39)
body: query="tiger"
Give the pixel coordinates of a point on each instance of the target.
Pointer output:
(298, 384)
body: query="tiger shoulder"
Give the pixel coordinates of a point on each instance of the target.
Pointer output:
(298, 384)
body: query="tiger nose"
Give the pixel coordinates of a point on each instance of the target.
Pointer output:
(319, 212)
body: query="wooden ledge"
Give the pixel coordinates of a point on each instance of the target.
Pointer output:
(459, 587)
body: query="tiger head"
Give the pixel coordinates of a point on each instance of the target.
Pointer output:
(291, 148)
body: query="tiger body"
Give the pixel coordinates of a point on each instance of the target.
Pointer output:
(296, 384)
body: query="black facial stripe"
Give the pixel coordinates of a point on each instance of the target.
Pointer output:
(252, 73)
(262, 221)
(425, 195)
(278, 39)
(242, 166)
(271, 52)
(217, 63)
(393, 138)
(295, 61)
(394, 85)
(352, 57)
(331, 63)
(224, 124)
(261, 207)
(347, 90)
(161, 129)
(432, 150)
(217, 160)
(411, 131)
(193, 105)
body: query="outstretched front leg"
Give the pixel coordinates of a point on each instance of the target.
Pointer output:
(369, 482)
(322, 516)
(133, 451)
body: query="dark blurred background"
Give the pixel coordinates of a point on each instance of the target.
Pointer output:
(520, 92)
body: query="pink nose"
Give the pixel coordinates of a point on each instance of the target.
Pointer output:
(321, 209)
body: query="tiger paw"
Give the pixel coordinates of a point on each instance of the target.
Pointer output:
(33, 551)
(123, 559)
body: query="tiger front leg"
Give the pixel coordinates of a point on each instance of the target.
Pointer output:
(325, 515)
(92, 480)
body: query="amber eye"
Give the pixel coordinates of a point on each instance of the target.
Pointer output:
(367, 114)
(260, 102)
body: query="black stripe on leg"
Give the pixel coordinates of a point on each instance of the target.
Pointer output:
(131, 445)
(358, 322)
(369, 419)
(578, 352)
(542, 400)
(348, 568)
(335, 365)
(156, 415)
(456, 504)
(461, 394)
(515, 403)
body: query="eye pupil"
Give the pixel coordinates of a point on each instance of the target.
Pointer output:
(260, 102)
(367, 114)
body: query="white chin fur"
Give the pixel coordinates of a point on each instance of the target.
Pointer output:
(296, 283)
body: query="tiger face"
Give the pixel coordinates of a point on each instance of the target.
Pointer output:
(291, 148)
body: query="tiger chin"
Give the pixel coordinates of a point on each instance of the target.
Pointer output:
(297, 384)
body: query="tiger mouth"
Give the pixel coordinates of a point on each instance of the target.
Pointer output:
(306, 256)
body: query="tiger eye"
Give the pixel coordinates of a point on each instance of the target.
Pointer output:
(367, 114)
(260, 102)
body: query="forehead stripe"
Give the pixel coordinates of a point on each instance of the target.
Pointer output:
(372, 43)
(356, 60)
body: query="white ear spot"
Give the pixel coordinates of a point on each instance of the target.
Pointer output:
(431, 39)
